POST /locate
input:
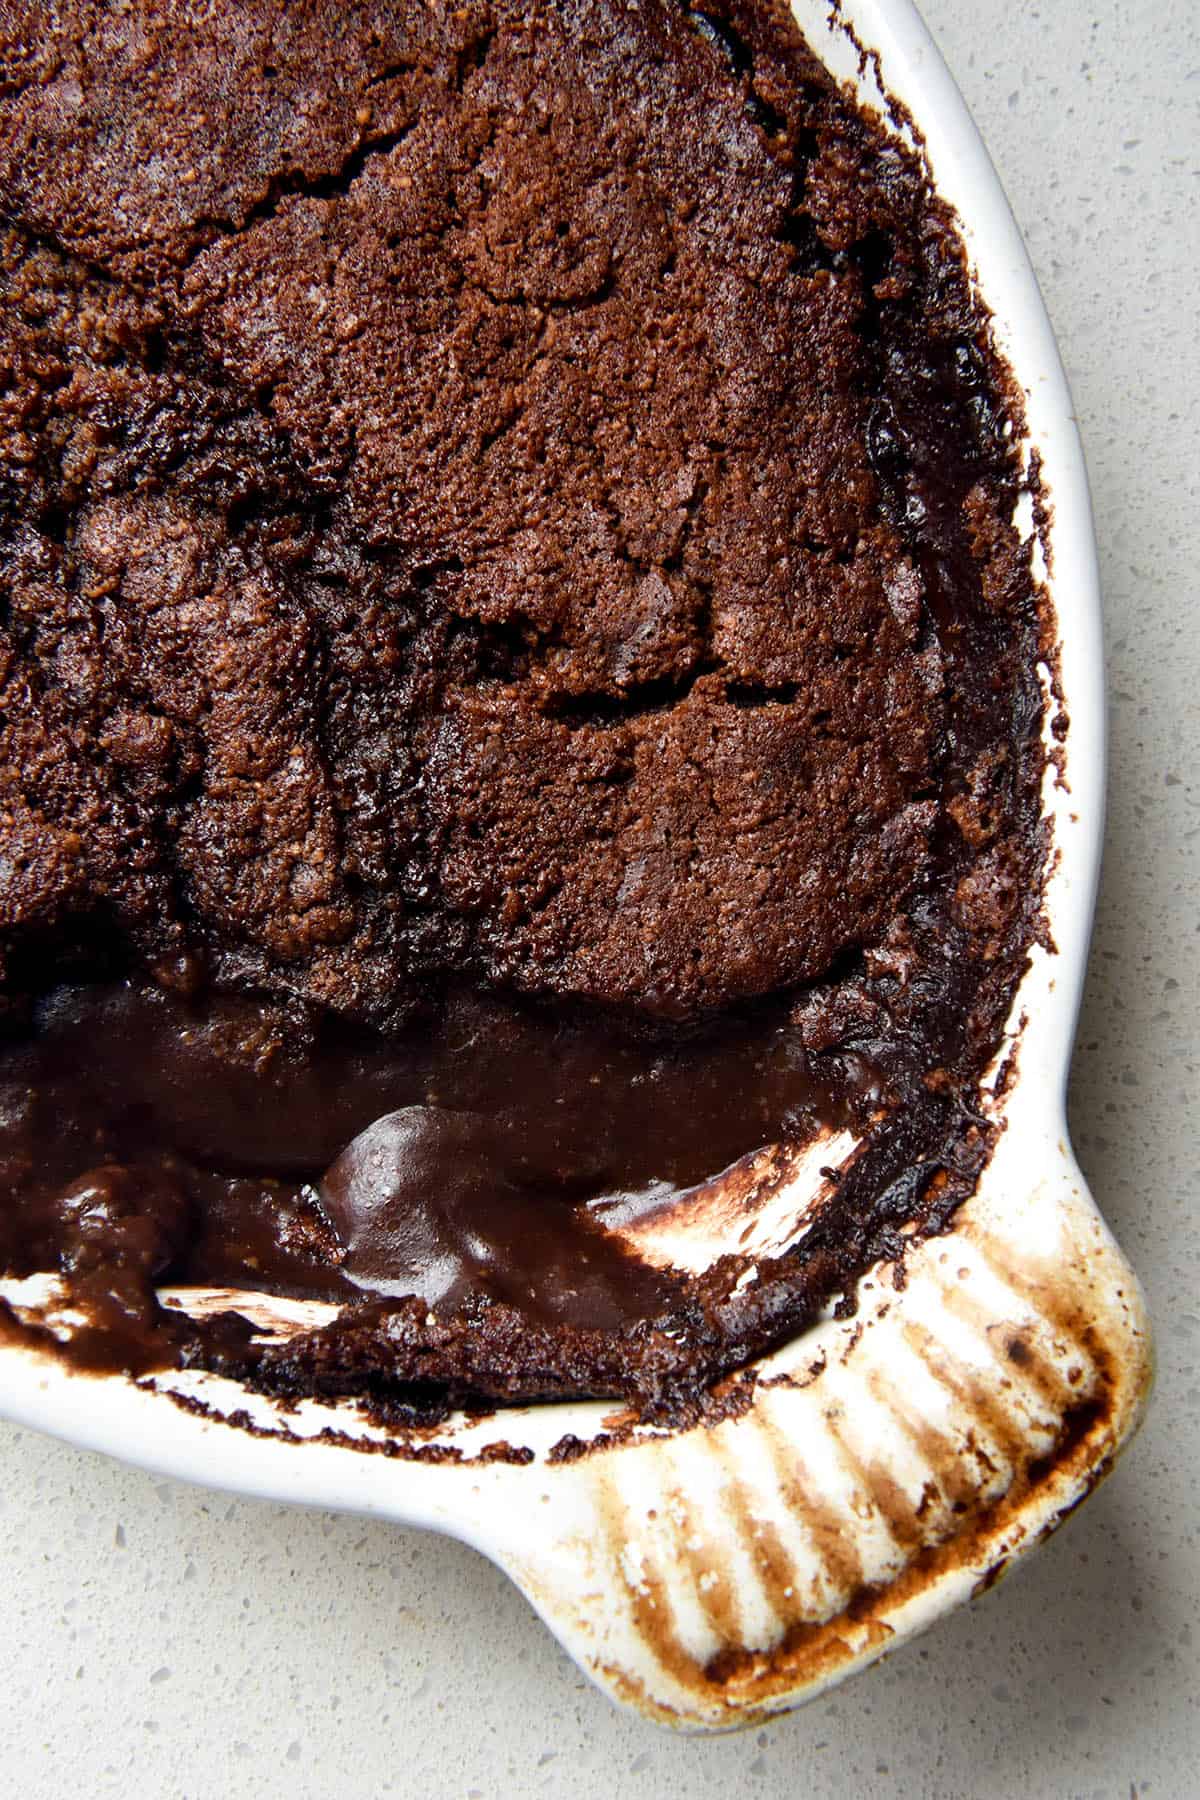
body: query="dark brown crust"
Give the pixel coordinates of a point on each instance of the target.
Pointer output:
(683, 748)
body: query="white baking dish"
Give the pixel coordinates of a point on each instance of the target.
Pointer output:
(888, 1466)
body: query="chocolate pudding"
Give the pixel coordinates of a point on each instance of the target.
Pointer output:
(518, 683)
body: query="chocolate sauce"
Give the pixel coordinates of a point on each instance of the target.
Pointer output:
(476, 1156)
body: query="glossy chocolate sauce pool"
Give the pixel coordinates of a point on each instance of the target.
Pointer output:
(518, 687)
(467, 1158)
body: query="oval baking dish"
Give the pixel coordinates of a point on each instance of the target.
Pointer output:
(878, 1469)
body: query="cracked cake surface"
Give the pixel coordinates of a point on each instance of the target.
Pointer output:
(500, 506)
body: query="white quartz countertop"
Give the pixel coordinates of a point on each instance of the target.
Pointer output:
(162, 1640)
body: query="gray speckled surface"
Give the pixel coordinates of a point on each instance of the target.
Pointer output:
(159, 1639)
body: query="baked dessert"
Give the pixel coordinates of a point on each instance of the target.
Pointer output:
(518, 681)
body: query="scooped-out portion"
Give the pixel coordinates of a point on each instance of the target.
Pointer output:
(519, 683)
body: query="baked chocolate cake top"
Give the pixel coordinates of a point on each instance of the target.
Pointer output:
(514, 499)
(445, 533)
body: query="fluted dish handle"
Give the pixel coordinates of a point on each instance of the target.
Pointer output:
(888, 1467)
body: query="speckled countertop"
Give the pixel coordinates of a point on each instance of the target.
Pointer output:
(160, 1639)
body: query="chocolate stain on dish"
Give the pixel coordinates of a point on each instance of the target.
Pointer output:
(957, 1508)
(518, 691)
